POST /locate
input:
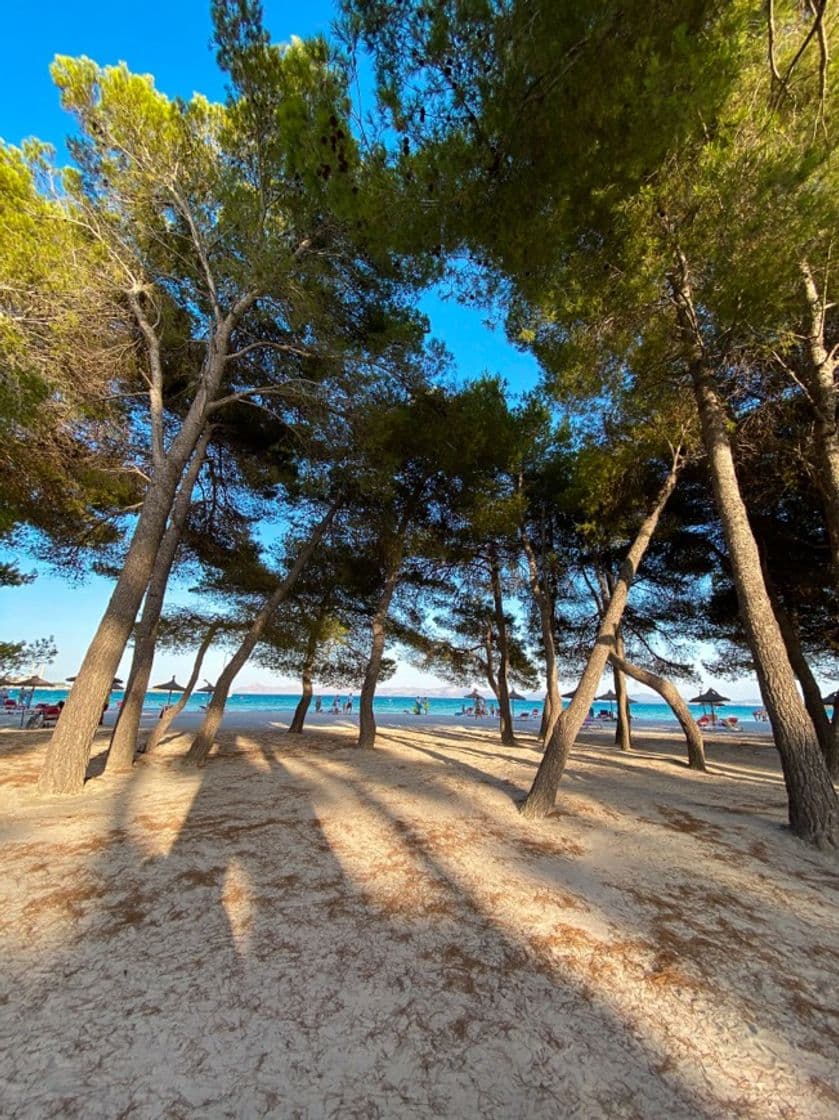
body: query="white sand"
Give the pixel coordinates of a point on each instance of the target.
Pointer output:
(305, 930)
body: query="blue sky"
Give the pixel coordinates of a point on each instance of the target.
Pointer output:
(171, 40)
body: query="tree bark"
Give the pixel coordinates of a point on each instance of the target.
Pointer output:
(543, 596)
(366, 719)
(540, 800)
(667, 691)
(174, 710)
(125, 735)
(203, 741)
(507, 731)
(828, 742)
(813, 805)
(299, 717)
(819, 377)
(68, 751)
(546, 718)
(623, 730)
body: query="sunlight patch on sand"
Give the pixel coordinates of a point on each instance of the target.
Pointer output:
(238, 898)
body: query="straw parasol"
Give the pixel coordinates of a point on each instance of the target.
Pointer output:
(514, 695)
(710, 698)
(171, 686)
(832, 699)
(207, 687)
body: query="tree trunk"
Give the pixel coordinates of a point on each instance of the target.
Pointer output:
(68, 751)
(507, 730)
(813, 805)
(667, 691)
(125, 735)
(299, 717)
(546, 718)
(623, 730)
(819, 376)
(543, 597)
(540, 800)
(366, 719)
(203, 741)
(174, 710)
(809, 686)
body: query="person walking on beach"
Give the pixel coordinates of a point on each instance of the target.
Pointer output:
(318, 704)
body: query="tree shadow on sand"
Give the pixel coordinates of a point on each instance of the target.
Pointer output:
(288, 931)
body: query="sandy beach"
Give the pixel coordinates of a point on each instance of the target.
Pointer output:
(304, 930)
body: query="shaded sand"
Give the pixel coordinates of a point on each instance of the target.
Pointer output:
(304, 930)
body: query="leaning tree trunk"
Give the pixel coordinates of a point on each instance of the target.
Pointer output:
(172, 711)
(540, 800)
(68, 751)
(366, 719)
(203, 741)
(299, 717)
(813, 805)
(819, 376)
(668, 693)
(507, 731)
(127, 728)
(623, 731)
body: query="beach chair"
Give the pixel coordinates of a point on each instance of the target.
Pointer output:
(732, 723)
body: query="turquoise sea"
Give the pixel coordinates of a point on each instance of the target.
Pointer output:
(642, 713)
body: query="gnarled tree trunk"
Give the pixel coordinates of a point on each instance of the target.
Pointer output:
(203, 741)
(668, 693)
(540, 800)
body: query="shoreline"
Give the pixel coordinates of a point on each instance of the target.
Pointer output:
(256, 719)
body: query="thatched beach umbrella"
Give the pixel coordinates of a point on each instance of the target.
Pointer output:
(207, 687)
(831, 700)
(712, 699)
(513, 697)
(172, 686)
